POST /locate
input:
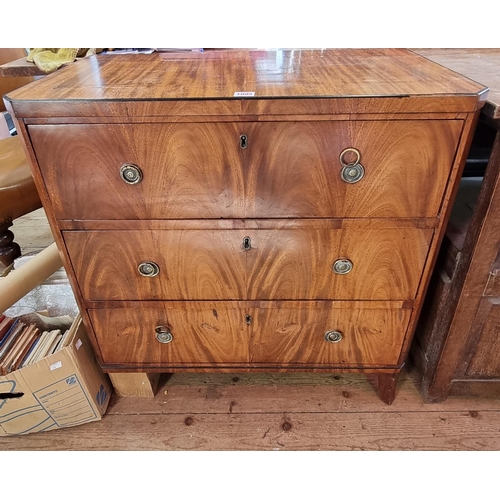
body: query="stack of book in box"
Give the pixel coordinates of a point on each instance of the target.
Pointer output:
(23, 344)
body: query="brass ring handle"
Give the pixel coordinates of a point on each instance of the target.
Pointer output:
(148, 269)
(163, 334)
(333, 336)
(351, 172)
(350, 150)
(342, 266)
(130, 173)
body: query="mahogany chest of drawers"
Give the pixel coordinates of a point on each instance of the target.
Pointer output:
(235, 211)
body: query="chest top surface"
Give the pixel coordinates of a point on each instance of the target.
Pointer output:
(270, 74)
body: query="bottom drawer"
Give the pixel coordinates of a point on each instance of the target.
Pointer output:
(273, 334)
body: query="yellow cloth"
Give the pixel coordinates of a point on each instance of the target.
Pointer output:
(48, 60)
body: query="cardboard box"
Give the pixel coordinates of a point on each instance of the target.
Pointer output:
(62, 390)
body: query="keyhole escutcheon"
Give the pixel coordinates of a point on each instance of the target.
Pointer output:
(243, 141)
(247, 243)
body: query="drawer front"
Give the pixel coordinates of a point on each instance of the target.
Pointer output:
(299, 263)
(298, 172)
(256, 333)
(285, 170)
(190, 170)
(192, 265)
(202, 333)
(307, 263)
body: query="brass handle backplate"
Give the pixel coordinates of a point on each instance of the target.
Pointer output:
(333, 336)
(163, 334)
(130, 173)
(148, 269)
(353, 171)
(342, 266)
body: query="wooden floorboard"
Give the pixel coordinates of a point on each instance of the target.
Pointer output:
(264, 412)
(274, 431)
(271, 411)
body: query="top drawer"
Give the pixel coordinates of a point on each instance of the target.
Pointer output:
(279, 170)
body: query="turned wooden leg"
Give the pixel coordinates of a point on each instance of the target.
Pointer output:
(8, 249)
(386, 386)
(135, 385)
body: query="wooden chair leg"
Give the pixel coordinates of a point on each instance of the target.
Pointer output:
(8, 249)
(386, 386)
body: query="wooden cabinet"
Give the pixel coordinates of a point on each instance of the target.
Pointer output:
(292, 229)
(456, 349)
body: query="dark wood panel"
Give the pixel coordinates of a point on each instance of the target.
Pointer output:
(297, 263)
(189, 171)
(231, 333)
(193, 265)
(469, 282)
(295, 169)
(492, 288)
(485, 361)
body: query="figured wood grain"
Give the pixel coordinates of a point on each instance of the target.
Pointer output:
(199, 170)
(297, 263)
(194, 265)
(140, 111)
(209, 117)
(189, 171)
(203, 332)
(209, 224)
(434, 91)
(57, 234)
(294, 170)
(280, 264)
(271, 73)
(446, 207)
(294, 334)
(276, 334)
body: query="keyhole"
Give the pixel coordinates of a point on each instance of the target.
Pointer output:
(248, 319)
(243, 141)
(247, 243)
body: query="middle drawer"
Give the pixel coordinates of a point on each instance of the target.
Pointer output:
(364, 263)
